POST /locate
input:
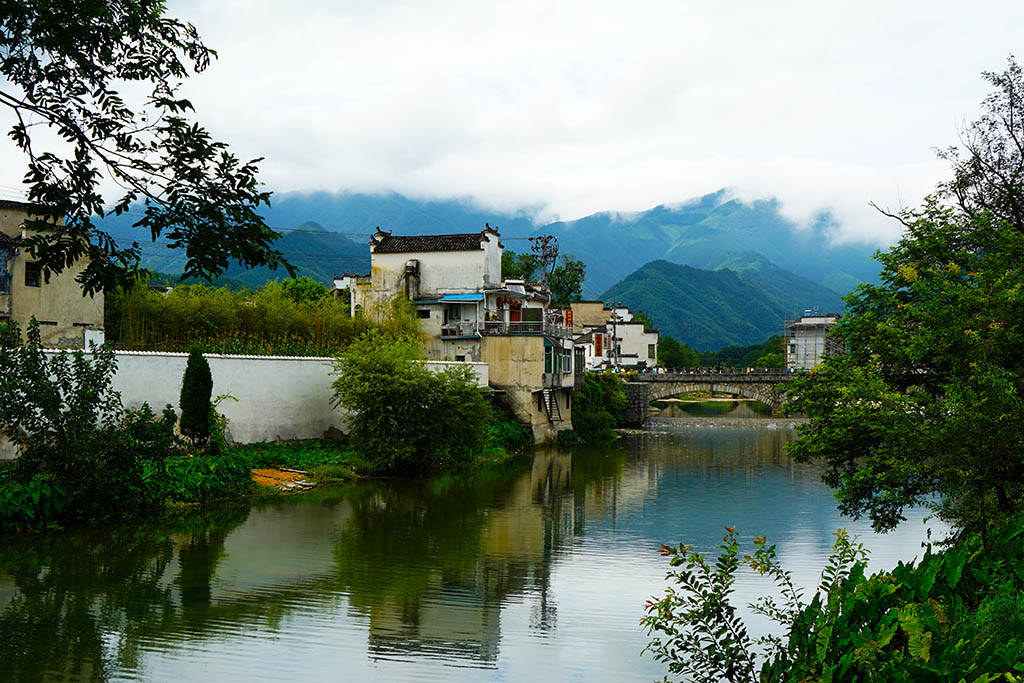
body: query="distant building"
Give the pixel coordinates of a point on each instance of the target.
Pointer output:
(66, 317)
(467, 312)
(609, 337)
(808, 340)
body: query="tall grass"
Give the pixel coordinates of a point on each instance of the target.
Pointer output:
(268, 321)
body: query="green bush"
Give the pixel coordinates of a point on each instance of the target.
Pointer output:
(598, 408)
(404, 416)
(69, 425)
(196, 389)
(506, 433)
(293, 318)
(199, 479)
(954, 616)
(30, 504)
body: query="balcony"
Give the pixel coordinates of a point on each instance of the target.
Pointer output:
(465, 329)
(526, 327)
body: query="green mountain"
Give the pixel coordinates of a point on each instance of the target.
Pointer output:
(703, 233)
(314, 252)
(710, 309)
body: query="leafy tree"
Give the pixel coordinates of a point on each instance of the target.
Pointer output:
(672, 354)
(65, 64)
(988, 173)
(81, 454)
(927, 407)
(405, 417)
(598, 408)
(304, 288)
(518, 266)
(954, 615)
(566, 281)
(196, 390)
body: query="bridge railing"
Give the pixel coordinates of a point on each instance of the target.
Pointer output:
(712, 376)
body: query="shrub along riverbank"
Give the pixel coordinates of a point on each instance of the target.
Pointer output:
(84, 457)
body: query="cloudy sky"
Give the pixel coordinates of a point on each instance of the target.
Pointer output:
(578, 106)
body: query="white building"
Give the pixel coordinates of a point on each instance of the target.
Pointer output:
(467, 312)
(808, 340)
(609, 337)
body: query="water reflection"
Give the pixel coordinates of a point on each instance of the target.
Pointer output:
(535, 569)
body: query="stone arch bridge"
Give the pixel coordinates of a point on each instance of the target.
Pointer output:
(761, 386)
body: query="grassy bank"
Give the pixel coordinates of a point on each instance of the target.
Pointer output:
(38, 501)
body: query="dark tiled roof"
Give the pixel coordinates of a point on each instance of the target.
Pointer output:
(11, 204)
(8, 241)
(394, 244)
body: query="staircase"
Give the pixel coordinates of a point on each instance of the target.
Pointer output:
(551, 406)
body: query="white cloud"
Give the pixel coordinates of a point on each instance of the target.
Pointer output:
(589, 105)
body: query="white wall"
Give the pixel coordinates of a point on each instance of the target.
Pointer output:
(278, 397)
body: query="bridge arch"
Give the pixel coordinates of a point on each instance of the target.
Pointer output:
(765, 393)
(763, 387)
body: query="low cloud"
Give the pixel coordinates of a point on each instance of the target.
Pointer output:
(581, 106)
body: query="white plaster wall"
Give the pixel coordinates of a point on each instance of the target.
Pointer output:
(278, 397)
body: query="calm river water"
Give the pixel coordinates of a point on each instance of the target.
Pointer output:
(537, 572)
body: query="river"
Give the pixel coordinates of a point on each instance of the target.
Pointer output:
(537, 570)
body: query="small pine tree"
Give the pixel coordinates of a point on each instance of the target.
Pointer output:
(196, 389)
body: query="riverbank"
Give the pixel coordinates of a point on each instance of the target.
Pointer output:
(37, 502)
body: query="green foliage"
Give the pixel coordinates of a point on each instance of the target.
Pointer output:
(599, 407)
(515, 266)
(304, 288)
(31, 503)
(196, 390)
(270, 321)
(771, 361)
(404, 416)
(746, 356)
(506, 433)
(672, 354)
(70, 427)
(327, 460)
(954, 616)
(927, 406)
(566, 281)
(201, 479)
(64, 63)
(710, 309)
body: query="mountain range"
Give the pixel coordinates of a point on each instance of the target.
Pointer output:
(711, 271)
(744, 301)
(702, 233)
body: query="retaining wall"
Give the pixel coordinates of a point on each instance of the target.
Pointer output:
(279, 397)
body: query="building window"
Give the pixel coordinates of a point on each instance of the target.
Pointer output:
(81, 324)
(460, 359)
(52, 323)
(422, 313)
(651, 351)
(792, 348)
(566, 361)
(549, 361)
(34, 274)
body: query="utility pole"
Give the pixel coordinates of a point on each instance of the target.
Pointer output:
(615, 334)
(545, 248)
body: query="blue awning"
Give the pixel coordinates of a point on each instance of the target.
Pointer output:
(461, 298)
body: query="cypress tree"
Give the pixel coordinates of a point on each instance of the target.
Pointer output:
(196, 389)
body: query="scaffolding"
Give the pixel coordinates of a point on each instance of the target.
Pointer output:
(807, 339)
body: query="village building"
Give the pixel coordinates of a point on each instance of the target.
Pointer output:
(808, 340)
(468, 312)
(66, 317)
(609, 337)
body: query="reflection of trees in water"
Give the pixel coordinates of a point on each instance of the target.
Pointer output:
(73, 587)
(429, 564)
